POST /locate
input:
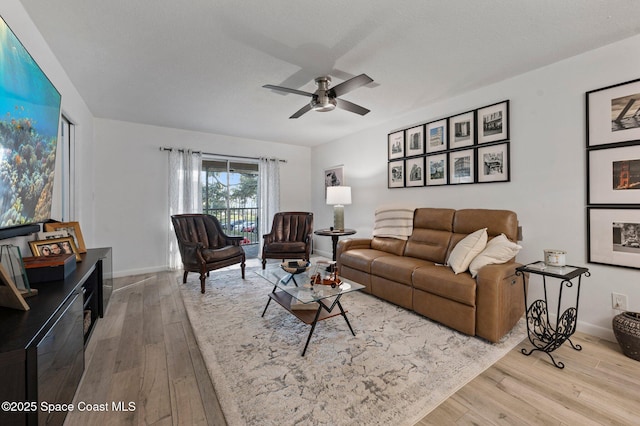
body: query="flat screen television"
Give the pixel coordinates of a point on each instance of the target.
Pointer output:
(29, 120)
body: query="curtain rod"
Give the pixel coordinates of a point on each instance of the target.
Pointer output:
(164, 148)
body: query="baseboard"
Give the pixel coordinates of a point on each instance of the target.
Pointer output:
(141, 271)
(327, 254)
(597, 331)
(591, 329)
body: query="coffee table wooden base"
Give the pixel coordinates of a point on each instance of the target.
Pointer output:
(309, 317)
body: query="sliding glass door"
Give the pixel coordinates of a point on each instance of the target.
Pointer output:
(230, 193)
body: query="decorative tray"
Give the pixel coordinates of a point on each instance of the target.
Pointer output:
(296, 266)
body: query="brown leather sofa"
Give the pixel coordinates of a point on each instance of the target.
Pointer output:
(412, 274)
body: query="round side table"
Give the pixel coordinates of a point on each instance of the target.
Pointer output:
(334, 234)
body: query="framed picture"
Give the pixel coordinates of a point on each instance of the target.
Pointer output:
(461, 166)
(415, 171)
(415, 141)
(614, 175)
(54, 247)
(493, 123)
(51, 235)
(493, 163)
(436, 134)
(614, 236)
(613, 114)
(396, 145)
(10, 296)
(334, 176)
(462, 130)
(72, 229)
(11, 259)
(437, 170)
(396, 174)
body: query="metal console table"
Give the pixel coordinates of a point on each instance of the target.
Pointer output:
(544, 336)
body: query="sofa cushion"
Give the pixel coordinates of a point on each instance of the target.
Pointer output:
(466, 250)
(285, 246)
(431, 234)
(497, 222)
(360, 259)
(442, 281)
(389, 245)
(397, 268)
(498, 250)
(216, 255)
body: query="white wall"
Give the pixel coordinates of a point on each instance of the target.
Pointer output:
(547, 188)
(131, 195)
(73, 106)
(122, 200)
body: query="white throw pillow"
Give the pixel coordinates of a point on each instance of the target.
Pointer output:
(498, 250)
(466, 250)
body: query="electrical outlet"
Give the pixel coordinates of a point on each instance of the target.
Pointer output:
(619, 301)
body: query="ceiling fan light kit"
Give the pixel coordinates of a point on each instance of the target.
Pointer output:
(325, 98)
(322, 101)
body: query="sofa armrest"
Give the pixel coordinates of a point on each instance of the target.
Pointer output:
(352, 243)
(499, 300)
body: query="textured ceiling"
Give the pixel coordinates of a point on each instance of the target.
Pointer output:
(200, 64)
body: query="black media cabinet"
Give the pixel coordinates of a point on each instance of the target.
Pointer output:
(42, 350)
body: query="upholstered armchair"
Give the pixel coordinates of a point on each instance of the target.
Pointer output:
(290, 237)
(204, 246)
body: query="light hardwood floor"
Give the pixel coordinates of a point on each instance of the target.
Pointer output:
(143, 351)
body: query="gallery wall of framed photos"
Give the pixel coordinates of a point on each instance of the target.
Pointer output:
(613, 175)
(470, 147)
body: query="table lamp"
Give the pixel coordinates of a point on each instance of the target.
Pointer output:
(338, 196)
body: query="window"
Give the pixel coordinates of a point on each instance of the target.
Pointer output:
(230, 193)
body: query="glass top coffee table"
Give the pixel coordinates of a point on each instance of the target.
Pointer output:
(309, 303)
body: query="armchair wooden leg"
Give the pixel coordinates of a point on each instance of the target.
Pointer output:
(203, 277)
(242, 265)
(264, 263)
(184, 277)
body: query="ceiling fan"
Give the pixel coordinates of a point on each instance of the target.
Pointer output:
(325, 98)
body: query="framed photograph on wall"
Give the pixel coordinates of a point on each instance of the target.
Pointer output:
(493, 123)
(333, 176)
(462, 130)
(614, 175)
(415, 141)
(436, 168)
(613, 236)
(415, 171)
(396, 174)
(613, 114)
(493, 163)
(436, 134)
(396, 145)
(461, 166)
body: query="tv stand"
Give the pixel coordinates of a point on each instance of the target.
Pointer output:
(42, 349)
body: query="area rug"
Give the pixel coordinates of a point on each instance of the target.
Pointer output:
(396, 369)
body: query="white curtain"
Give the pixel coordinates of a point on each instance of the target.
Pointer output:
(269, 194)
(185, 193)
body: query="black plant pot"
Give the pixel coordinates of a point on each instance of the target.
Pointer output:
(626, 327)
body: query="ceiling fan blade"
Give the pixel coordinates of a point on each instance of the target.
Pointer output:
(288, 90)
(350, 106)
(351, 84)
(301, 111)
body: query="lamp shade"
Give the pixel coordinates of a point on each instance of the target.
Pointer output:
(338, 195)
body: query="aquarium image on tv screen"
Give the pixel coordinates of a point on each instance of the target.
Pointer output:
(29, 120)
